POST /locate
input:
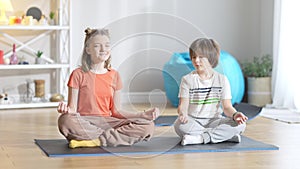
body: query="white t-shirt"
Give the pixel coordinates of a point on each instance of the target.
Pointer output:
(204, 96)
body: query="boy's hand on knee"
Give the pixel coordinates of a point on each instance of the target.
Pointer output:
(240, 118)
(183, 118)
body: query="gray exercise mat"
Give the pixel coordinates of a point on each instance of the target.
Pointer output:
(165, 120)
(157, 145)
(251, 111)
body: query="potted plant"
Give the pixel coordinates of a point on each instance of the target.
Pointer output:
(258, 74)
(52, 18)
(39, 59)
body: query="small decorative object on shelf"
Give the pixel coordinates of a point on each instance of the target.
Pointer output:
(43, 20)
(57, 97)
(39, 88)
(51, 18)
(6, 61)
(4, 98)
(22, 61)
(29, 91)
(36, 14)
(39, 59)
(13, 57)
(28, 20)
(1, 57)
(5, 6)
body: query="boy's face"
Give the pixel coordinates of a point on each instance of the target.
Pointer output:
(99, 48)
(200, 62)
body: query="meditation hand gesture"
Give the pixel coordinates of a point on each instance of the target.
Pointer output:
(151, 114)
(183, 118)
(64, 108)
(240, 118)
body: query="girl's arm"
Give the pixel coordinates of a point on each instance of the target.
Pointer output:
(151, 114)
(182, 109)
(71, 107)
(230, 111)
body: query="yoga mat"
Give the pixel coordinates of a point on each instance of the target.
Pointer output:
(165, 120)
(157, 145)
(251, 111)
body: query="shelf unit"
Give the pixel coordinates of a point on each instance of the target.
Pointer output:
(58, 64)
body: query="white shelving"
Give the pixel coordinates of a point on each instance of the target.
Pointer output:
(28, 105)
(58, 65)
(36, 66)
(37, 27)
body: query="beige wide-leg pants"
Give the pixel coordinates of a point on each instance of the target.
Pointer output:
(111, 131)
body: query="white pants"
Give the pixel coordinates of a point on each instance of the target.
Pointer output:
(213, 130)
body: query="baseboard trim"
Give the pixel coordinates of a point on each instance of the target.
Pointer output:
(144, 97)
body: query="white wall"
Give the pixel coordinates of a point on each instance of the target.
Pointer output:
(145, 33)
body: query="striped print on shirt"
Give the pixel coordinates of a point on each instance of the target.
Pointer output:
(209, 95)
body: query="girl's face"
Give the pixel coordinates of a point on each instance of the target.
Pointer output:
(99, 49)
(201, 63)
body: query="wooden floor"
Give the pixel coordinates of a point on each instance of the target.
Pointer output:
(18, 129)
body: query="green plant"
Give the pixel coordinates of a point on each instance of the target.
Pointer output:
(51, 15)
(259, 67)
(39, 53)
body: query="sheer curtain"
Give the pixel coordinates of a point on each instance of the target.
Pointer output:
(286, 69)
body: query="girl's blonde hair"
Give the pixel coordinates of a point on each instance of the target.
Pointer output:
(209, 48)
(86, 62)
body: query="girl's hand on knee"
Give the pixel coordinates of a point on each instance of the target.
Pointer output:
(151, 114)
(183, 118)
(63, 108)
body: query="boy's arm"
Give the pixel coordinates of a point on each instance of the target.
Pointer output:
(183, 109)
(231, 112)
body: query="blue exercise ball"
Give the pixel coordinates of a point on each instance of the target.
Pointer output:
(180, 65)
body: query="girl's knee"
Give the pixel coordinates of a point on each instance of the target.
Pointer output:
(149, 129)
(145, 131)
(62, 120)
(65, 121)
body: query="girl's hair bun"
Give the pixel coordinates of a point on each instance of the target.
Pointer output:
(88, 31)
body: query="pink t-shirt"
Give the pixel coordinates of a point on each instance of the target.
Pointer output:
(96, 91)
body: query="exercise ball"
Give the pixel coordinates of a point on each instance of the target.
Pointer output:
(180, 65)
(230, 67)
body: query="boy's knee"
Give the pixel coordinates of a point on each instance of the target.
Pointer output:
(242, 127)
(180, 128)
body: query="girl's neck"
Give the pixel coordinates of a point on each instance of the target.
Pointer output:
(98, 68)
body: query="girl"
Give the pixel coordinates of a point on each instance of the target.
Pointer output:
(201, 94)
(93, 116)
